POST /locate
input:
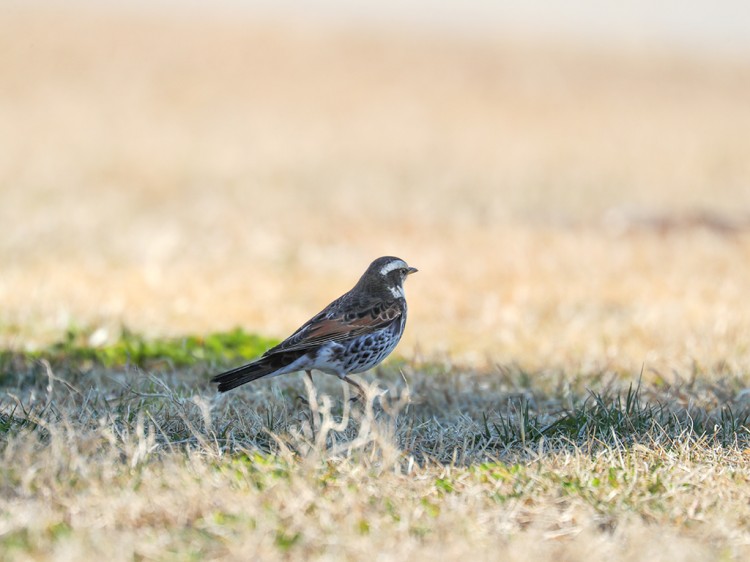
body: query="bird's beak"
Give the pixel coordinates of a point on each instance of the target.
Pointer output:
(412, 270)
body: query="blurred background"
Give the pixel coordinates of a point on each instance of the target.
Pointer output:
(572, 179)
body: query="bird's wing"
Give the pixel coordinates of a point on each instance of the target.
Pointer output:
(334, 324)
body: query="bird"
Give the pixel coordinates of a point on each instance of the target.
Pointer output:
(353, 334)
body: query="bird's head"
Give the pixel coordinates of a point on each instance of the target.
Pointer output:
(387, 274)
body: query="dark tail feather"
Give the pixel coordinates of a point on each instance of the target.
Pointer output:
(241, 375)
(255, 370)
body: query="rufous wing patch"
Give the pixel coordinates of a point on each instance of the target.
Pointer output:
(324, 330)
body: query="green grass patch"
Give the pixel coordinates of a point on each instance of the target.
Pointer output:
(77, 348)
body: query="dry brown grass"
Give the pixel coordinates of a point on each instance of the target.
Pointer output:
(130, 465)
(574, 215)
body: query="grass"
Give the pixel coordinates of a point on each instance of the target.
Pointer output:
(101, 453)
(574, 376)
(86, 347)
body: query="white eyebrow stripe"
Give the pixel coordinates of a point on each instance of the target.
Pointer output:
(390, 266)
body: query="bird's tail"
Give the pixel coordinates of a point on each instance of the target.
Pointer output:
(265, 366)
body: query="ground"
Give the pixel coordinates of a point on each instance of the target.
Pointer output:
(574, 377)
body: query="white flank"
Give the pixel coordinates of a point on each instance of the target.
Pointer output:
(390, 266)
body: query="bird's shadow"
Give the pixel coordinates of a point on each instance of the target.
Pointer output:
(440, 411)
(452, 414)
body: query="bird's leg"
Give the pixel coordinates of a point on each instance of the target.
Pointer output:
(312, 401)
(355, 384)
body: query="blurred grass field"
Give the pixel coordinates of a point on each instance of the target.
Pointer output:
(564, 207)
(580, 218)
